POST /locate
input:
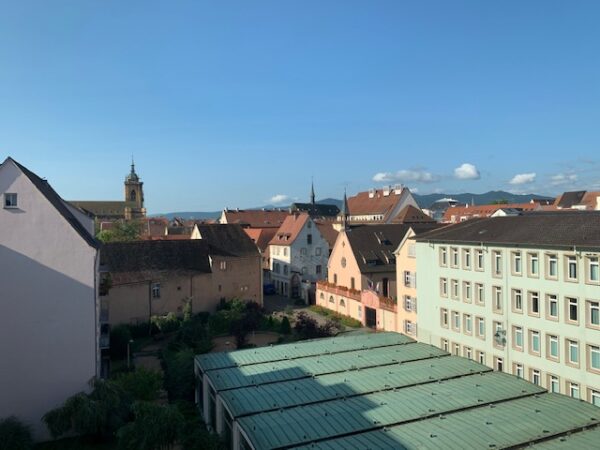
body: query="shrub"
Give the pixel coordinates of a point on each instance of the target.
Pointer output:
(307, 328)
(337, 317)
(285, 327)
(155, 427)
(14, 435)
(119, 339)
(141, 384)
(194, 435)
(166, 324)
(179, 374)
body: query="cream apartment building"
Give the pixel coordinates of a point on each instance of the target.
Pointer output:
(520, 294)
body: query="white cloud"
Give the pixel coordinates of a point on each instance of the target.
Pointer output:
(414, 190)
(467, 172)
(523, 178)
(404, 176)
(279, 198)
(563, 178)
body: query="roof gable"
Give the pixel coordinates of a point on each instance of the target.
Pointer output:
(290, 229)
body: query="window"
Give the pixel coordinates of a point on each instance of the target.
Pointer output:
(343, 262)
(443, 287)
(497, 293)
(479, 294)
(573, 389)
(454, 253)
(332, 300)
(479, 259)
(276, 267)
(443, 257)
(407, 279)
(410, 303)
(454, 289)
(534, 303)
(335, 278)
(497, 263)
(456, 349)
(551, 266)
(304, 270)
(468, 352)
(517, 300)
(223, 265)
(480, 322)
(595, 397)
(467, 291)
(534, 265)
(285, 270)
(552, 347)
(535, 376)
(467, 259)
(455, 321)
(553, 384)
(517, 268)
(285, 250)
(319, 269)
(409, 327)
(572, 310)
(571, 268)
(468, 323)
(359, 312)
(593, 269)
(534, 342)
(481, 357)
(352, 283)
(303, 251)
(498, 363)
(593, 358)
(518, 338)
(155, 290)
(318, 251)
(499, 335)
(10, 200)
(444, 344)
(593, 313)
(309, 239)
(572, 352)
(518, 370)
(412, 251)
(552, 306)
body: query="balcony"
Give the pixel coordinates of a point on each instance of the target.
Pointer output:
(373, 299)
(342, 291)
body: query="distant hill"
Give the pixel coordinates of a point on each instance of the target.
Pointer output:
(424, 201)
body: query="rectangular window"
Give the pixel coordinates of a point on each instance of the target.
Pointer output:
(534, 342)
(571, 268)
(593, 271)
(594, 397)
(479, 259)
(572, 352)
(443, 257)
(360, 312)
(318, 251)
(10, 200)
(497, 263)
(468, 323)
(309, 239)
(444, 317)
(518, 370)
(534, 265)
(498, 363)
(573, 389)
(454, 256)
(467, 291)
(594, 357)
(518, 338)
(552, 306)
(572, 310)
(352, 283)
(497, 293)
(155, 290)
(467, 259)
(517, 268)
(480, 322)
(479, 294)
(456, 349)
(318, 270)
(444, 344)
(303, 251)
(534, 303)
(443, 287)
(481, 357)
(454, 289)
(553, 384)
(551, 266)
(535, 376)
(517, 300)
(468, 352)
(552, 347)
(499, 335)
(593, 313)
(455, 321)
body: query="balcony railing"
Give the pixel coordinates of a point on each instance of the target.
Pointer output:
(338, 290)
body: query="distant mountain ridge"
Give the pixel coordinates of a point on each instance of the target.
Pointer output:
(424, 201)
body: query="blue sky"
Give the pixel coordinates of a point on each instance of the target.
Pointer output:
(231, 103)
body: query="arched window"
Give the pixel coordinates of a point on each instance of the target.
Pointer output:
(331, 300)
(132, 196)
(342, 302)
(322, 296)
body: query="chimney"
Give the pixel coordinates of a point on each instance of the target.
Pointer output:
(386, 191)
(371, 193)
(398, 189)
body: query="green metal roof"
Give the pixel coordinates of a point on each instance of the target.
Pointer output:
(257, 374)
(581, 440)
(267, 397)
(513, 423)
(305, 424)
(343, 343)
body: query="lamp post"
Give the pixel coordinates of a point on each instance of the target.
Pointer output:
(129, 353)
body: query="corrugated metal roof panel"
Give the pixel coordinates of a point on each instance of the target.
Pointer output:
(367, 412)
(343, 343)
(267, 397)
(507, 424)
(257, 374)
(588, 439)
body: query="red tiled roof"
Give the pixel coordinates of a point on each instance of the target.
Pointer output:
(257, 218)
(379, 204)
(484, 210)
(290, 229)
(329, 233)
(261, 236)
(410, 214)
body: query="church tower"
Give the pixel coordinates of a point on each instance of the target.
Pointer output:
(134, 195)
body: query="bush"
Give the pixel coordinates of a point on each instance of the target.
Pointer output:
(166, 324)
(194, 435)
(285, 327)
(119, 339)
(307, 328)
(155, 427)
(142, 384)
(14, 435)
(179, 374)
(336, 317)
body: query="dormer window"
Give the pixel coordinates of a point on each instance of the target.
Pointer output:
(10, 200)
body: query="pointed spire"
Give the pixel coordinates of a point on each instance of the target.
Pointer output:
(312, 191)
(132, 175)
(132, 165)
(345, 211)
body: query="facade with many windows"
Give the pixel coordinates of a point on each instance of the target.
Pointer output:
(520, 294)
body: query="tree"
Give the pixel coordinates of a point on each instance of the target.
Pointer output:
(142, 384)
(15, 435)
(119, 340)
(286, 328)
(122, 231)
(155, 427)
(307, 328)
